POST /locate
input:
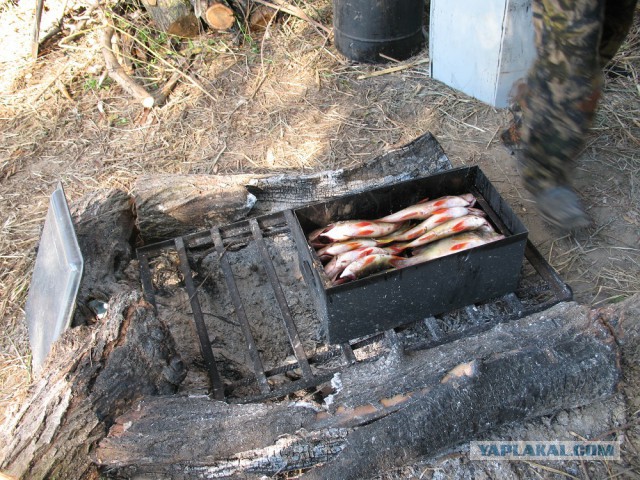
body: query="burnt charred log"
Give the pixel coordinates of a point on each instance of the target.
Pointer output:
(104, 223)
(173, 205)
(169, 206)
(92, 375)
(385, 413)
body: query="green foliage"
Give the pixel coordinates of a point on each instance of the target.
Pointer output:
(247, 39)
(92, 84)
(156, 41)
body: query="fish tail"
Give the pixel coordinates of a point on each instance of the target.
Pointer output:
(477, 212)
(384, 241)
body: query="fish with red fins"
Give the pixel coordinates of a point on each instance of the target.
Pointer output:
(354, 249)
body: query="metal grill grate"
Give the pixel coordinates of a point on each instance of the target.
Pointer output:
(540, 288)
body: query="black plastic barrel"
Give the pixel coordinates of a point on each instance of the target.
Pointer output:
(364, 29)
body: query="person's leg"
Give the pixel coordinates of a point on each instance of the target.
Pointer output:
(558, 103)
(560, 95)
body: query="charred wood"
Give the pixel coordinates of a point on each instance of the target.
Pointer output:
(169, 206)
(172, 205)
(420, 158)
(104, 223)
(92, 375)
(384, 414)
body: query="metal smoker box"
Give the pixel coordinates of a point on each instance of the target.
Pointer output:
(396, 297)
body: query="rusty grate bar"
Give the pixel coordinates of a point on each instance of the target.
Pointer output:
(203, 335)
(318, 358)
(258, 368)
(434, 329)
(290, 326)
(145, 277)
(561, 290)
(514, 302)
(292, 387)
(347, 354)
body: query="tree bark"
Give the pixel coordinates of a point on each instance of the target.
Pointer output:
(92, 375)
(384, 414)
(173, 205)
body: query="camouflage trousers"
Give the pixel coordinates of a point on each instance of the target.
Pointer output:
(575, 39)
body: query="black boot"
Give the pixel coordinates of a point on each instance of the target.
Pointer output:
(561, 207)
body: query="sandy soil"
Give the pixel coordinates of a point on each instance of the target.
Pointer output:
(286, 101)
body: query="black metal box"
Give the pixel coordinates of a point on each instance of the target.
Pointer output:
(396, 297)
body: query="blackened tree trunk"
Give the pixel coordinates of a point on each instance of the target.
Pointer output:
(173, 205)
(385, 413)
(92, 375)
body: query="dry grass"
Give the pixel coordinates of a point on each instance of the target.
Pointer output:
(279, 101)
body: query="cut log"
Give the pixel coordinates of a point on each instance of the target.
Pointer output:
(93, 374)
(261, 16)
(173, 16)
(384, 414)
(172, 205)
(219, 16)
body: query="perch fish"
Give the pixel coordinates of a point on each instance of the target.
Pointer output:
(327, 252)
(340, 262)
(449, 228)
(348, 229)
(448, 246)
(423, 210)
(367, 266)
(438, 217)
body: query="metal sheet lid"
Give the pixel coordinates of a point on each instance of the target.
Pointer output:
(55, 280)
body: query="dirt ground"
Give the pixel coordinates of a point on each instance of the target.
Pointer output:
(286, 100)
